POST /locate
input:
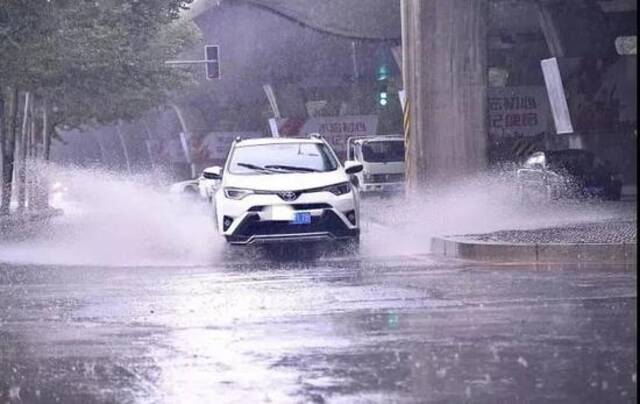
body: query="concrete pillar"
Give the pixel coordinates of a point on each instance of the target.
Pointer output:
(445, 43)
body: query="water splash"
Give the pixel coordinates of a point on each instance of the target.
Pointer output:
(116, 220)
(111, 219)
(479, 204)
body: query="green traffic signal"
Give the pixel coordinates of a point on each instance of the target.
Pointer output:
(382, 98)
(382, 74)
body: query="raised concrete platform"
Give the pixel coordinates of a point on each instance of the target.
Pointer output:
(623, 253)
(612, 241)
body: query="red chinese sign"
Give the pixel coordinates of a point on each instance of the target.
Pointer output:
(517, 111)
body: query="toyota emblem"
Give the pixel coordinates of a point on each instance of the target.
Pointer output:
(288, 195)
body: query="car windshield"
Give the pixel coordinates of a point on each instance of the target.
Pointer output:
(282, 158)
(383, 151)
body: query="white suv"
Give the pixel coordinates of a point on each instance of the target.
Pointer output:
(285, 189)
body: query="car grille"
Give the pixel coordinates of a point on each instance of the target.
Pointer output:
(381, 178)
(327, 222)
(295, 206)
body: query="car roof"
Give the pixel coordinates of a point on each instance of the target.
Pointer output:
(569, 152)
(394, 138)
(276, 140)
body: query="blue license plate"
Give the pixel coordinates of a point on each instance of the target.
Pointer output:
(301, 218)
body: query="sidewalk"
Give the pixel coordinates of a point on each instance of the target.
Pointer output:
(613, 241)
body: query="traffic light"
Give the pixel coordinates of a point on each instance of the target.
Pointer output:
(383, 95)
(382, 74)
(212, 65)
(382, 98)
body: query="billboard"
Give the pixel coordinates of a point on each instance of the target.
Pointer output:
(517, 111)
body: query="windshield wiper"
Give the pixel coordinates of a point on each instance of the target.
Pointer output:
(291, 168)
(256, 167)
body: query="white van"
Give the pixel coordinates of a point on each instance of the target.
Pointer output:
(382, 158)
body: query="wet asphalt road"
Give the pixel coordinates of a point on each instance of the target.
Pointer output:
(411, 328)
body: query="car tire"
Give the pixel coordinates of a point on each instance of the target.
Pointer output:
(352, 246)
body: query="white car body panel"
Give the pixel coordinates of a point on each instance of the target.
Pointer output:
(276, 212)
(286, 182)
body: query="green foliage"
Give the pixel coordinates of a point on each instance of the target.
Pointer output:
(96, 61)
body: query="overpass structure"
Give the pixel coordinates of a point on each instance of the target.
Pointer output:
(477, 94)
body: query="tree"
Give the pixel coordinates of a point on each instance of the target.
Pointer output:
(87, 62)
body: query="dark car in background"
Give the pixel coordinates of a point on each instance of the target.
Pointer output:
(568, 173)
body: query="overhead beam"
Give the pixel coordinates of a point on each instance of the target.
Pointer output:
(618, 6)
(549, 30)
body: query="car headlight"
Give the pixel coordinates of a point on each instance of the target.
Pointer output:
(338, 189)
(237, 193)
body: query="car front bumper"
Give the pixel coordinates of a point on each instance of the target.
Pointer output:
(331, 218)
(382, 187)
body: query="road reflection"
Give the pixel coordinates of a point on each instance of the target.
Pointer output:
(342, 329)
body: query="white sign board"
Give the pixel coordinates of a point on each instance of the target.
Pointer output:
(271, 96)
(557, 98)
(517, 111)
(273, 127)
(338, 129)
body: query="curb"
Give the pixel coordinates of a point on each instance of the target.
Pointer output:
(538, 253)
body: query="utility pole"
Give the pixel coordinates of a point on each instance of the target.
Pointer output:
(21, 155)
(8, 148)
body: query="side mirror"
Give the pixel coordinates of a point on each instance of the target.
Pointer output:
(212, 173)
(352, 167)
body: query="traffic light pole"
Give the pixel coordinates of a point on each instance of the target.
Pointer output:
(187, 62)
(211, 62)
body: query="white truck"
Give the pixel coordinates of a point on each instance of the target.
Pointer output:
(382, 158)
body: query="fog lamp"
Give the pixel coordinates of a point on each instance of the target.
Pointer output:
(226, 223)
(351, 216)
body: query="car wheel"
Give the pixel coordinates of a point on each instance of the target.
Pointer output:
(352, 246)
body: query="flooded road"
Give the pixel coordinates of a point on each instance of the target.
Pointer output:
(411, 328)
(131, 297)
